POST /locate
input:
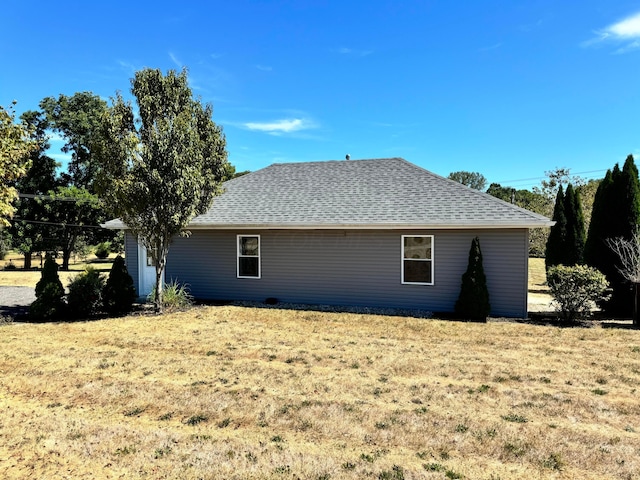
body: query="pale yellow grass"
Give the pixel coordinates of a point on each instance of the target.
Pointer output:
(29, 278)
(255, 393)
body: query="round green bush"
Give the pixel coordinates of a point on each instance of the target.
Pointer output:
(576, 290)
(85, 294)
(102, 250)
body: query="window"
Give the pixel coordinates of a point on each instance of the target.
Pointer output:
(151, 257)
(248, 256)
(417, 259)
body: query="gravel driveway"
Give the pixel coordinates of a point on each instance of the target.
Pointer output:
(15, 301)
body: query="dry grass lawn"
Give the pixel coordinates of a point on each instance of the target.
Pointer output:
(263, 393)
(29, 278)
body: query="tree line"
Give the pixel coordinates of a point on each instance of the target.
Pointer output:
(155, 166)
(540, 199)
(596, 225)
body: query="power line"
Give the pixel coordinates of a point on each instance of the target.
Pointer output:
(519, 180)
(57, 224)
(52, 197)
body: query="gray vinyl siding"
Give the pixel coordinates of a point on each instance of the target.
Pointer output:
(131, 257)
(354, 268)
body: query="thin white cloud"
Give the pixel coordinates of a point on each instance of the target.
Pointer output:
(490, 47)
(280, 127)
(355, 52)
(625, 34)
(175, 60)
(264, 68)
(129, 67)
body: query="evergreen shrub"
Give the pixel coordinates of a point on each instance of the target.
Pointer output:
(473, 302)
(85, 293)
(49, 303)
(119, 293)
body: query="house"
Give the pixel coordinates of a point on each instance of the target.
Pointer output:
(377, 233)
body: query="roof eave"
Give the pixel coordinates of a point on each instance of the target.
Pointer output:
(372, 226)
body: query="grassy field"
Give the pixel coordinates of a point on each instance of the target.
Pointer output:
(262, 393)
(29, 278)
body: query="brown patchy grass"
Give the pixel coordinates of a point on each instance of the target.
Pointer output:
(537, 275)
(263, 393)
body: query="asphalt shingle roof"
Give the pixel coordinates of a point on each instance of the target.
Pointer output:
(379, 193)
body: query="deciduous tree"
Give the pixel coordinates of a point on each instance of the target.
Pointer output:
(15, 147)
(534, 201)
(73, 213)
(30, 231)
(165, 168)
(470, 179)
(78, 119)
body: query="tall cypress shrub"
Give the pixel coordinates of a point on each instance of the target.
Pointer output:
(595, 247)
(49, 301)
(554, 253)
(575, 234)
(630, 201)
(616, 213)
(119, 293)
(473, 302)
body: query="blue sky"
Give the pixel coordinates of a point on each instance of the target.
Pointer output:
(507, 88)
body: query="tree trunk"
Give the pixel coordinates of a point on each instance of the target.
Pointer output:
(159, 290)
(66, 255)
(27, 261)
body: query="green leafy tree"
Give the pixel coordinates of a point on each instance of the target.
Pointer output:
(49, 302)
(473, 301)
(29, 231)
(533, 201)
(15, 147)
(165, 168)
(470, 179)
(74, 213)
(556, 243)
(119, 293)
(560, 177)
(78, 119)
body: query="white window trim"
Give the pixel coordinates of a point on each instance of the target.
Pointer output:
(239, 256)
(402, 260)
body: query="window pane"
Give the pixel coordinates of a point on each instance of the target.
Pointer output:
(417, 272)
(249, 246)
(150, 262)
(248, 266)
(417, 247)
